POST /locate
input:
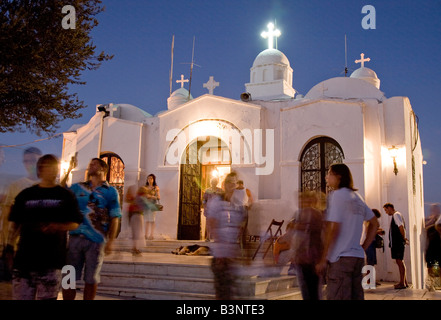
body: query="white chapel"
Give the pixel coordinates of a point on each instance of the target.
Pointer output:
(278, 141)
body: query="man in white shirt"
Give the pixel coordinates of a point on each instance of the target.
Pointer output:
(397, 242)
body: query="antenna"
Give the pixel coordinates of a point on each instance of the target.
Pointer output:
(275, 27)
(346, 58)
(171, 68)
(191, 68)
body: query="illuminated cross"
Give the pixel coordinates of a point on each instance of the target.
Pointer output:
(211, 84)
(362, 60)
(270, 34)
(182, 81)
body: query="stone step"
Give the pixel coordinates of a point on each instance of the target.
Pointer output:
(157, 269)
(150, 294)
(167, 246)
(168, 276)
(246, 286)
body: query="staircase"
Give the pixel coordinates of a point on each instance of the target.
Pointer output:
(160, 275)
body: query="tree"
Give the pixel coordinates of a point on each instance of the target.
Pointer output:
(39, 59)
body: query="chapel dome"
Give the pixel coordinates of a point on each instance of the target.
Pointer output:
(178, 97)
(368, 75)
(270, 56)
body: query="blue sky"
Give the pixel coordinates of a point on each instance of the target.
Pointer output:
(405, 51)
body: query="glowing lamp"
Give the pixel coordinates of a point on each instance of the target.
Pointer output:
(393, 152)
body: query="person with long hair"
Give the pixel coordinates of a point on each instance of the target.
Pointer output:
(152, 194)
(343, 255)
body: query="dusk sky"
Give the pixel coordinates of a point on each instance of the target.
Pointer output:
(404, 48)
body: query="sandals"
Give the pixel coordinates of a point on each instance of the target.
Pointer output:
(400, 286)
(136, 252)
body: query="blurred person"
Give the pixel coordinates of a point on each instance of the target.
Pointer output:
(40, 217)
(99, 204)
(397, 242)
(343, 256)
(136, 219)
(30, 158)
(378, 242)
(240, 198)
(371, 251)
(433, 245)
(227, 219)
(307, 245)
(211, 192)
(153, 195)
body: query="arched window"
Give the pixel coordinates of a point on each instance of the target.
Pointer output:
(315, 160)
(115, 176)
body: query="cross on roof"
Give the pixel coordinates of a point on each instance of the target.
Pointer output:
(270, 34)
(182, 81)
(362, 60)
(113, 109)
(211, 84)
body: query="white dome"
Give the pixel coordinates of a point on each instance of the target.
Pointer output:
(368, 75)
(132, 113)
(178, 97)
(271, 56)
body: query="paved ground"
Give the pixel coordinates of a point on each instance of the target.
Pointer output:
(385, 291)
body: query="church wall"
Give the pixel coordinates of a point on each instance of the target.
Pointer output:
(125, 145)
(399, 188)
(241, 115)
(84, 141)
(269, 184)
(193, 119)
(304, 120)
(341, 121)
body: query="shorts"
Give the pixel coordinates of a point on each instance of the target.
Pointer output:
(371, 254)
(397, 252)
(88, 254)
(35, 285)
(344, 279)
(149, 216)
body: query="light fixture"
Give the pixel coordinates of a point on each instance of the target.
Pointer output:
(393, 151)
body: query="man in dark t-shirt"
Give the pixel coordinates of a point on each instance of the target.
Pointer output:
(40, 217)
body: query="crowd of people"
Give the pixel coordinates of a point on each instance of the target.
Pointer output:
(47, 225)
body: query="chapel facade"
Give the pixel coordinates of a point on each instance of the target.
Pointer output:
(279, 142)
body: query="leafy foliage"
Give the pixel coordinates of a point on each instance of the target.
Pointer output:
(39, 60)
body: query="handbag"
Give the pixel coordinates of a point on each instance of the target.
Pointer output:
(159, 206)
(379, 242)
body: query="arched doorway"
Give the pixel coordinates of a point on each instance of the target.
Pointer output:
(315, 160)
(203, 159)
(115, 175)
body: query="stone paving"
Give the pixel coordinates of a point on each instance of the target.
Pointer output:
(385, 291)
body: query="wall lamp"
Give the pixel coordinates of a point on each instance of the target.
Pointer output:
(393, 152)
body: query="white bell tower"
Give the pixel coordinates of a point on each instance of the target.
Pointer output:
(271, 73)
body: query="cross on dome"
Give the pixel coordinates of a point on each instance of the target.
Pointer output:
(362, 60)
(270, 34)
(211, 84)
(182, 81)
